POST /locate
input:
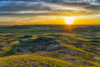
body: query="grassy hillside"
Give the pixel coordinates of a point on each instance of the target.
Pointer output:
(30, 61)
(50, 46)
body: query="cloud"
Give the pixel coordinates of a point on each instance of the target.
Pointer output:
(42, 10)
(23, 7)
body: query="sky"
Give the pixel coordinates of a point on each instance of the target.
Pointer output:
(28, 12)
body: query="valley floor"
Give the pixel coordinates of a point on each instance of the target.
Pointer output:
(49, 46)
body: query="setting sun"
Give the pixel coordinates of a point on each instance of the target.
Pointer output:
(69, 20)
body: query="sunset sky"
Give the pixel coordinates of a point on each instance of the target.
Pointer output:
(23, 12)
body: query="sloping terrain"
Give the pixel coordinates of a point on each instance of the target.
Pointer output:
(53, 44)
(30, 61)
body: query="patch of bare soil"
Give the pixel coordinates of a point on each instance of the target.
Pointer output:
(96, 57)
(55, 48)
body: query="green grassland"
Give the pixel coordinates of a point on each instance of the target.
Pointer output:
(49, 46)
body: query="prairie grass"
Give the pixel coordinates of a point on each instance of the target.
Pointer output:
(82, 45)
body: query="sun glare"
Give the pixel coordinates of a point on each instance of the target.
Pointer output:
(69, 20)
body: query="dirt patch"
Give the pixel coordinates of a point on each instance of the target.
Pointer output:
(9, 41)
(55, 48)
(96, 57)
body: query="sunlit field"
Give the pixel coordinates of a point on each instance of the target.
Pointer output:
(50, 46)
